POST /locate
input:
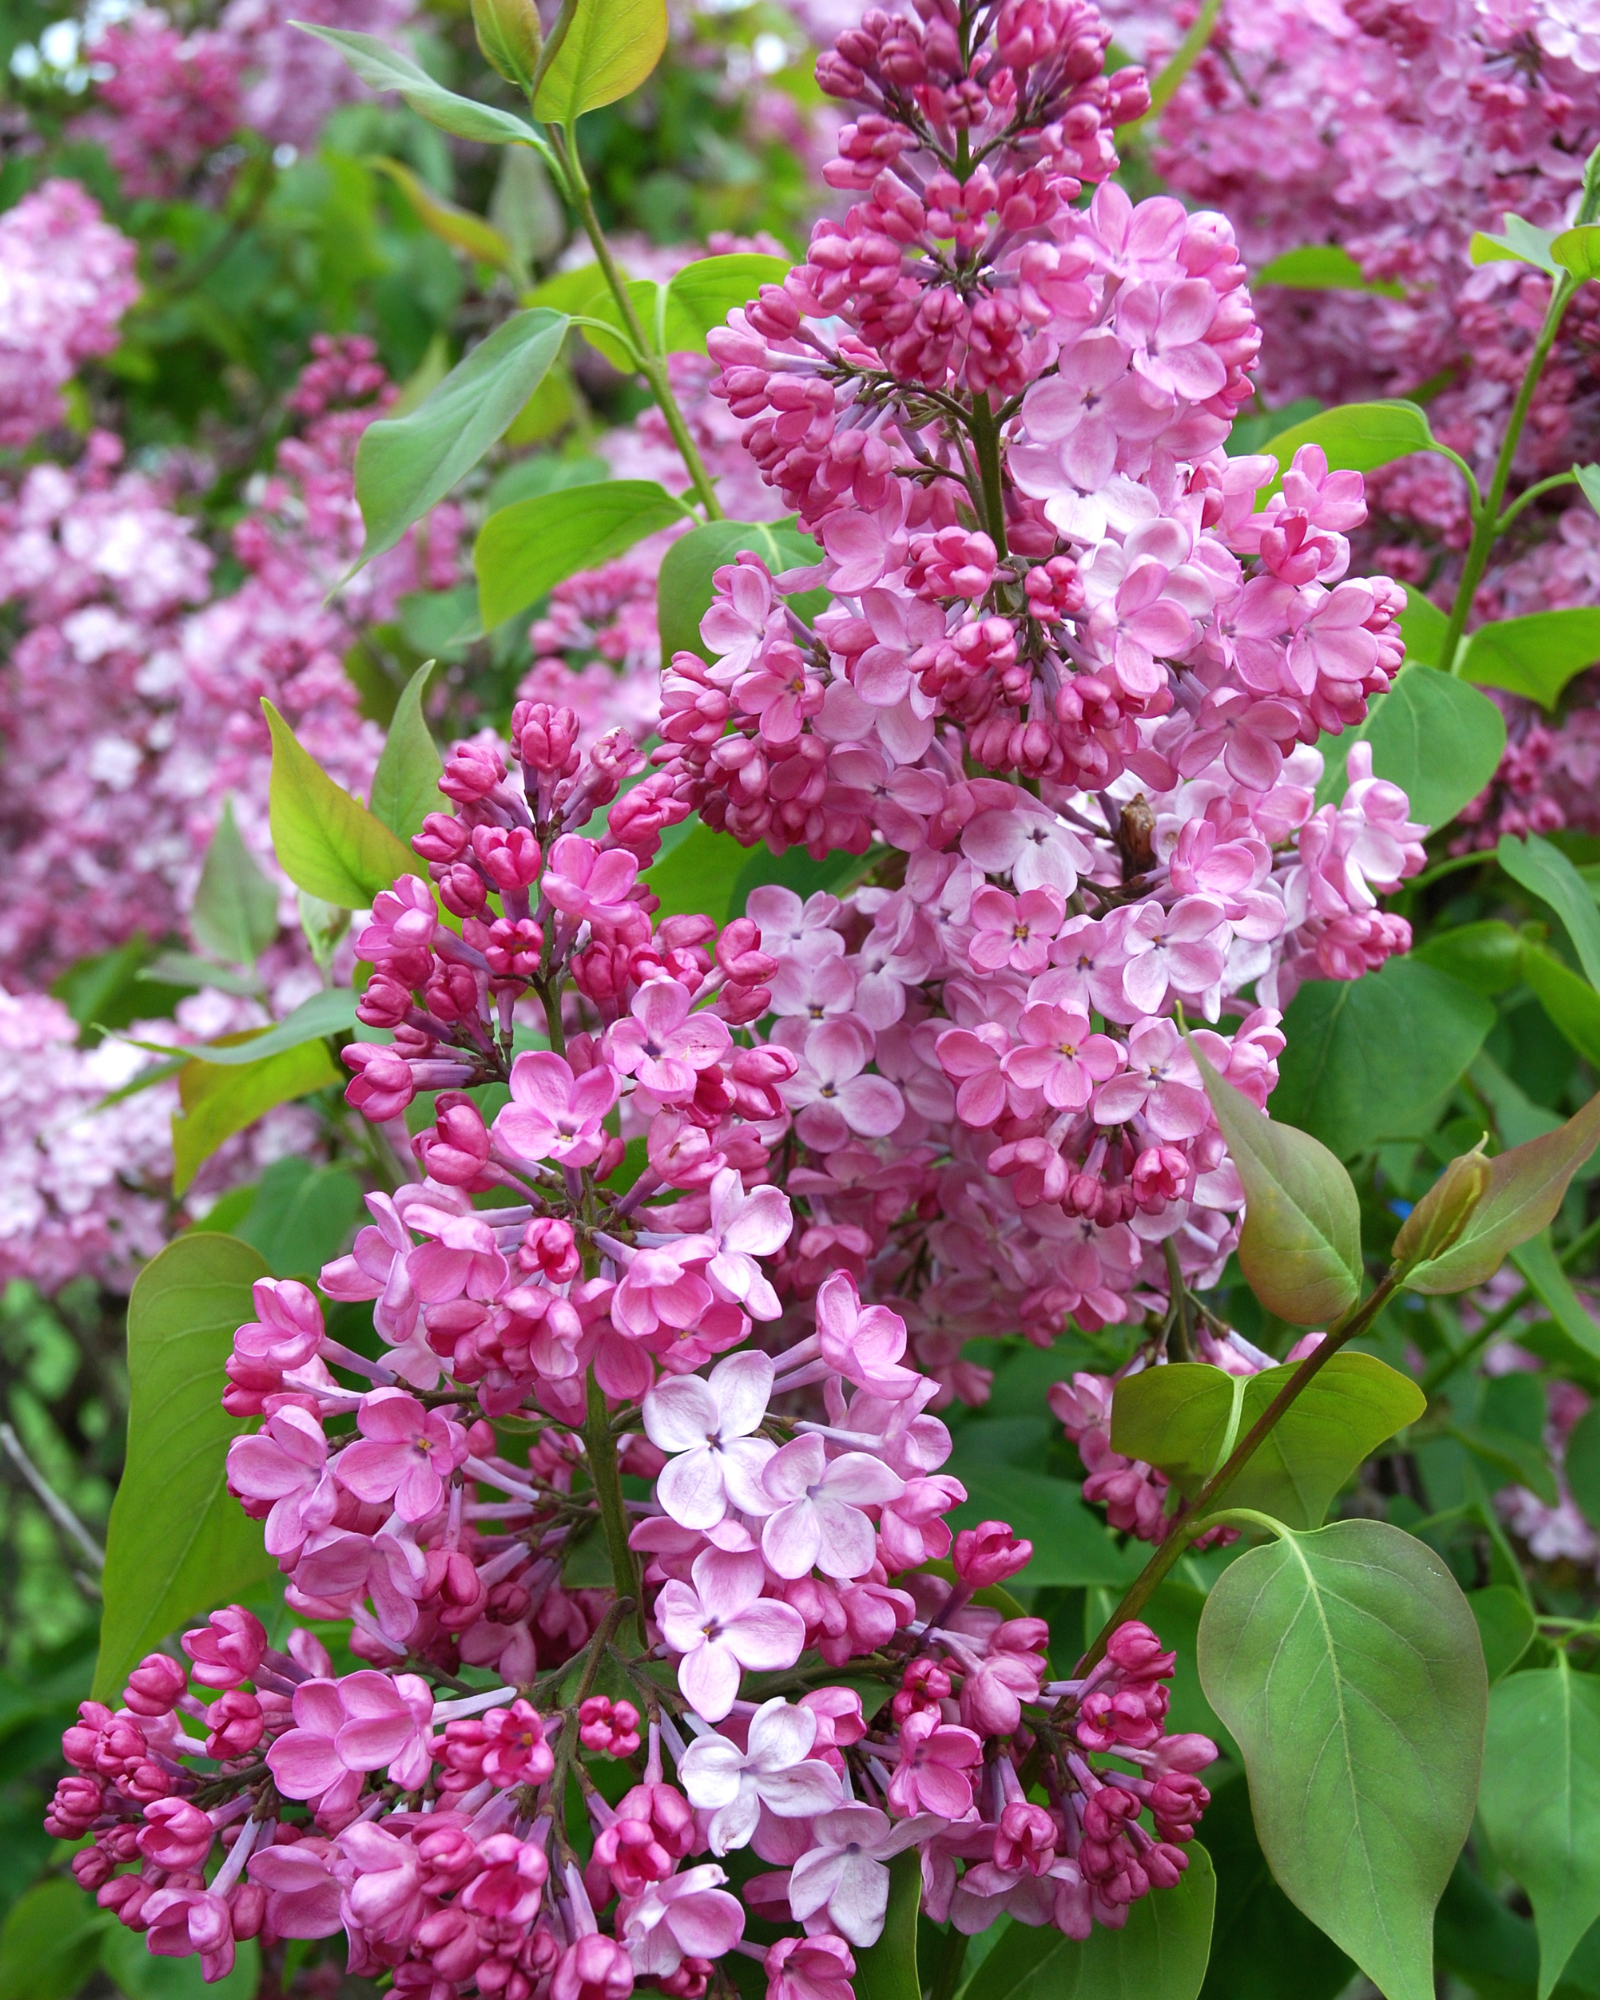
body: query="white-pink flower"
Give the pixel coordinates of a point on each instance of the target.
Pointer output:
(747, 1225)
(831, 1093)
(664, 1046)
(687, 1916)
(819, 1521)
(721, 1625)
(776, 1770)
(707, 1422)
(846, 1874)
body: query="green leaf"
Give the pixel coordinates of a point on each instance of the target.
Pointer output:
(703, 293)
(1262, 1947)
(1588, 477)
(1541, 1802)
(1546, 872)
(458, 227)
(685, 588)
(543, 473)
(1525, 1189)
(51, 1941)
(1540, 1268)
(1486, 956)
(1509, 1459)
(1357, 437)
(610, 48)
(1505, 1626)
(323, 1014)
(1578, 251)
(1582, 1464)
(1521, 243)
(177, 1544)
(298, 1216)
(533, 544)
(1437, 738)
(405, 465)
(327, 843)
(1423, 626)
(1571, 1002)
(188, 969)
(1300, 1250)
(1347, 1665)
(381, 67)
(1070, 1543)
(1369, 1058)
(887, 1970)
(1159, 1954)
(1186, 1418)
(219, 1101)
(235, 913)
(1534, 656)
(1323, 267)
(405, 786)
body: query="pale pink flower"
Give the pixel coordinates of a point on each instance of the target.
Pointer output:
(846, 1874)
(819, 1521)
(832, 1095)
(708, 1424)
(554, 1115)
(460, 1257)
(1161, 1083)
(721, 1625)
(810, 1968)
(687, 1916)
(381, 1876)
(747, 1225)
(302, 1894)
(1014, 931)
(936, 1760)
(663, 1045)
(661, 1288)
(1177, 947)
(1058, 1055)
(776, 1770)
(286, 1463)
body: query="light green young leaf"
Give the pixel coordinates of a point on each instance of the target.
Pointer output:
(323, 1014)
(235, 913)
(887, 1970)
(1159, 1954)
(1521, 243)
(405, 465)
(327, 843)
(1357, 437)
(1589, 484)
(1369, 1058)
(1347, 1665)
(1582, 1464)
(1534, 656)
(458, 227)
(177, 1543)
(1570, 1001)
(1541, 1802)
(1300, 1249)
(381, 67)
(1164, 85)
(1525, 1189)
(685, 589)
(1323, 267)
(1423, 626)
(1578, 251)
(526, 548)
(1546, 872)
(1486, 956)
(610, 47)
(1186, 1418)
(220, 1100)
(405, 786)
(1436, 737)
(703, 293)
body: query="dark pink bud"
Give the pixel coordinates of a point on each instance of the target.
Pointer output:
(457, 1150)
(511, 859)
(175, 1834)
(236, 1724)
(988, 1554)
(1137, 1650)
(154, 1685)
(443, 838)
(227, 1649)
(471, 772)
(595, 1968)
(545, 738)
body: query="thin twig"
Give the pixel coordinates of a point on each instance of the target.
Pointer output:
(50, 1500)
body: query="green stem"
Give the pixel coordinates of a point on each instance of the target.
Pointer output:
(986, 443)
(1534, 492)
(652, 366)
(1199, 1516)
(601, 1446)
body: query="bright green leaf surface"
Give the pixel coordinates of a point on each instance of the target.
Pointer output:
(381, 67)
(405, 465)
(1582, 1465)
(685, 588)
(1486, 956)
(297, 1215)
(1541, 1802)
(1185, 1418)
(1160, 1954)
(235, 913)
(1521, 242)
(405, 786)
(177, 1544)
(1368, 1058)
(528, 547)
(1347, 1665)
(1300, 1250)
(1589, 484)
(1534, 656)
(1437, 738)
(1323, 267)
(1505, 1626)
(1525, 1189)
(1357, 437)
(887, 1970)
(219, 1100)
(1423, 626)
(1546, 872)
(327, 843)
(1578, 251)
(609, 50)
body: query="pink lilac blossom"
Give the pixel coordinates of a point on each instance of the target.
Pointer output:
(66, 279)
(166, 100)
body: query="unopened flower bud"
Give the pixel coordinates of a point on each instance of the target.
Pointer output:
(510, 37)
(1444, 1211)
